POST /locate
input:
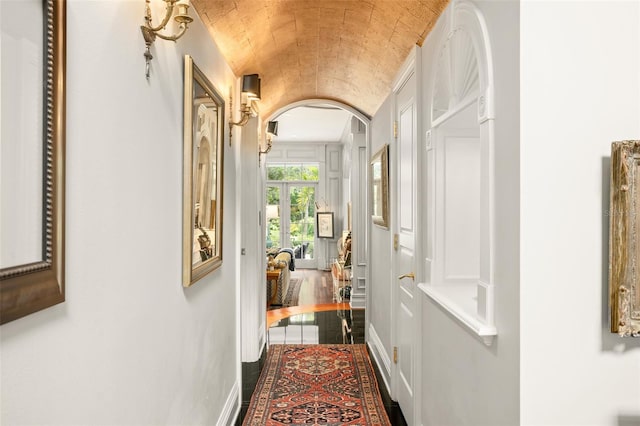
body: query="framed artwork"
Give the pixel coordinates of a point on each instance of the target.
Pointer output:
(380, 187)
(32, 243)
(624, 239)
(324, 224)
(203, 171)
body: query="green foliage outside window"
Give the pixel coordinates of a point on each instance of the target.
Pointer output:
(292, 172)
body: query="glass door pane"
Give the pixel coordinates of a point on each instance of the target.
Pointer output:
(302, 218)
(272, 217)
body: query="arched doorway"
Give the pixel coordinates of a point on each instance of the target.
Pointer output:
(341, 189)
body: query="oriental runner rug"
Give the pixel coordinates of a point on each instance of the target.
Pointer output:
(317, 385)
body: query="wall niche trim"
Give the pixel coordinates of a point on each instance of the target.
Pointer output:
(460, 141)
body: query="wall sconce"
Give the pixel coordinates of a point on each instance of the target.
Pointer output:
(250, 93)
(272, 130)
(149, 32)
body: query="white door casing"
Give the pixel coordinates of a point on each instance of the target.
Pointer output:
(359, 187)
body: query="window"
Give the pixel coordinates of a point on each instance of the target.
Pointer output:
(292, 172)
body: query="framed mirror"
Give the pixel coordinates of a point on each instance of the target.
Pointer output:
(202, 181)
(380, 187)
(624, 239)
(32, 169)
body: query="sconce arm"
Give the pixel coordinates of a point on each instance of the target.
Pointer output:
(244, 120)
(269, 146)
(165, 20)
(183, 29)
(266, 151)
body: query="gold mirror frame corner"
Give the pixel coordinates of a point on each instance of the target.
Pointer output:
(190, 274)
(29, 288)
(382, 156)
(624, 238)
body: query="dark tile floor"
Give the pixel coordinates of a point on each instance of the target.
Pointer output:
(330, 327)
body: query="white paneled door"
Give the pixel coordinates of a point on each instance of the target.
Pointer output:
(405, 256)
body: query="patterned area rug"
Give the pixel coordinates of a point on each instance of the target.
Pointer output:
(293, 292)
(317, 385)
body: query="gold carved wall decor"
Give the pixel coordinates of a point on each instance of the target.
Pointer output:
(624, 239)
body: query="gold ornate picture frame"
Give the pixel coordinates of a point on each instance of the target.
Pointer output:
(624, 239)
(379, 171)
(37, 281)
(203, 173)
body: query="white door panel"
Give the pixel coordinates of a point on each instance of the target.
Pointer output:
(405, 258)
(405, 362)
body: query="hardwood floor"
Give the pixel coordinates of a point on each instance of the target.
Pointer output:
(317, 286)
(316, 295)
(316, 319)
(276, 315)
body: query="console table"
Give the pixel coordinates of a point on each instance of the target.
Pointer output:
(273, 277)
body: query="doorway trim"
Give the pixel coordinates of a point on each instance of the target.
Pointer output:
(315, 101)
(253, 326)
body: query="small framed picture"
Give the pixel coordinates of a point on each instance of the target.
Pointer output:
(324, 224)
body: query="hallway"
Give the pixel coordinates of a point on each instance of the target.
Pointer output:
(317, 320)
(496, 117)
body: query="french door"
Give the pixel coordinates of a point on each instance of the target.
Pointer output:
(291, 220)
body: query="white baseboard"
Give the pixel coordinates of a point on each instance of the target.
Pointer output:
(231, 409)
(261, 338)
(358, 301)
(380, 356)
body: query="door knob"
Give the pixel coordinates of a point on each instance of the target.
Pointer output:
(409, 275)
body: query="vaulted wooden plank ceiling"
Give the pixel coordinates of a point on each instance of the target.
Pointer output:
(344, 50)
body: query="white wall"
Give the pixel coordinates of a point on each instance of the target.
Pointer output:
(129, 345)
(580, 79)
(463, 381)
